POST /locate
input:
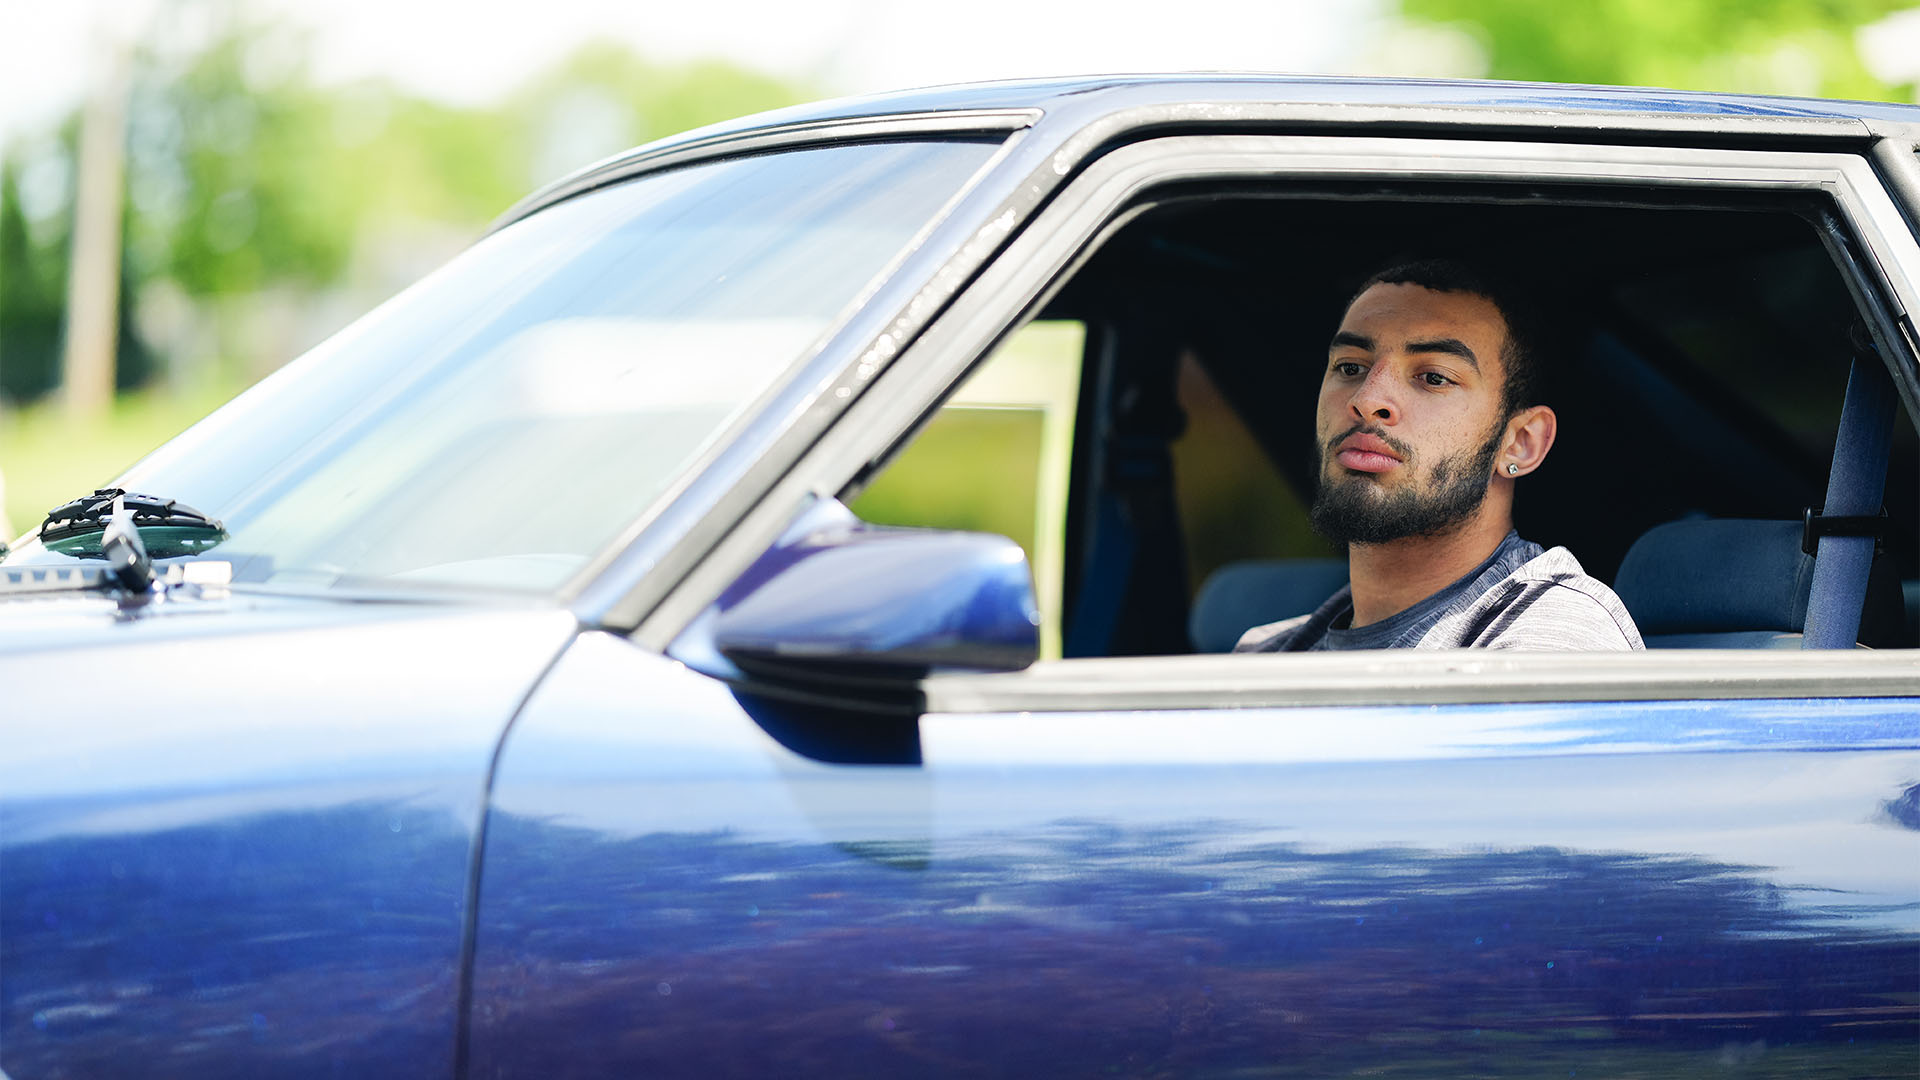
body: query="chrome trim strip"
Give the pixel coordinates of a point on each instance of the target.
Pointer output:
(1412, 677)
(673, 152)
(1893, 252)
(1097, 121)
(1037, 257)
(1904, 130)
(1567, 126)
(1898, 162)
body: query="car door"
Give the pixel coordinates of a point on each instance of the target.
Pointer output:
(1447, 863)
(1073, 882)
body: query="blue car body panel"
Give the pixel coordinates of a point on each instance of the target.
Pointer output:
(1601, 888)
(246, 851)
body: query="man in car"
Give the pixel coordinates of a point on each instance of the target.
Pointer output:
(1427, 422)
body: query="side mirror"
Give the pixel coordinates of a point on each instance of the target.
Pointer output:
(837, 598)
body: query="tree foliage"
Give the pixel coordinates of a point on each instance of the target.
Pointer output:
(1758, 46)
(229, 169)
(30, 304)
(246, 176)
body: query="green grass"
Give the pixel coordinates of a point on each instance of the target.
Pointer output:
(48, 457)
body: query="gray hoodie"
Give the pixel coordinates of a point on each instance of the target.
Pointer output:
(1521, 597)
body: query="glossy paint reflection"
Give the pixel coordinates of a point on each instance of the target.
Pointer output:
(670, 890)
(288, 944)
(837, 597)
(1083, 949)
(216, 860)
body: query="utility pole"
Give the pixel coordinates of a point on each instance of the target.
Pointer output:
(93, 280)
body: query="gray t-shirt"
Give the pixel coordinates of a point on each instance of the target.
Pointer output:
(1521, 597)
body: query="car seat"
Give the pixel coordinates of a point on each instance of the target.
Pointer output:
(1725, 583)
(1253, 592)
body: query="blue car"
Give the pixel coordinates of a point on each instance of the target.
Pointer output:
(764, 610)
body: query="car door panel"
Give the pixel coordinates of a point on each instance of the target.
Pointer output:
(1597, 886)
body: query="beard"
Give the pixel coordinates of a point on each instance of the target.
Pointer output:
(1348, 509)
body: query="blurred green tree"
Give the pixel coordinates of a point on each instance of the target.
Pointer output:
(30, 302)
(1755, 46)
(603, 99)
(231, 172)
(246, 177)
(33, 278)
(265, 208)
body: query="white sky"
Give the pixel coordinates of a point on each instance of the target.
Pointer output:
(474, 51)
(851, 46)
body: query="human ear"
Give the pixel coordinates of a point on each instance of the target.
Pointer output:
(1530, 435)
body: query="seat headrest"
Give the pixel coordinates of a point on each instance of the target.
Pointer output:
(1730, 575)
(1243, 595)
(1713, 576)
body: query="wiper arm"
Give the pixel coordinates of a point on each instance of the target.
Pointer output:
(125, 551)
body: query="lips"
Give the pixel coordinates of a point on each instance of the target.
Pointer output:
(1366, 453)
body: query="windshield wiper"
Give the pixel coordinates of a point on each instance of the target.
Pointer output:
(167, 527)
(127, 531)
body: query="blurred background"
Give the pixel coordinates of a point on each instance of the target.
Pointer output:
(193, 192)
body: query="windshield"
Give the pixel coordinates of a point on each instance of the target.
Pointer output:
(512, 414)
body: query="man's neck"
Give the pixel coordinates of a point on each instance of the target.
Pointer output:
(1390, 578)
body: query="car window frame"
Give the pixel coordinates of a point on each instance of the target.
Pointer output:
(1423, 677)
(1896, 156)
(788, 415)
(1115, 187)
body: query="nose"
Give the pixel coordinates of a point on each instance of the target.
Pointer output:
(1371, 401)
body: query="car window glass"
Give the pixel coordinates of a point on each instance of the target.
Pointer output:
(995, 458)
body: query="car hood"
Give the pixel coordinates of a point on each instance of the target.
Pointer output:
(252, 805)
(255, 692)
(91, 620)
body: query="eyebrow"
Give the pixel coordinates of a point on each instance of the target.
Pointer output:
(1450, 346)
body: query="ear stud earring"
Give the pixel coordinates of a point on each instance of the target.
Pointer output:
(1512, 469)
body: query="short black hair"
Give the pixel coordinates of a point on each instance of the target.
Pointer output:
(1519, 358)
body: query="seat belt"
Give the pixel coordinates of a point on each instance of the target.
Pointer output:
(1135, 574)
(1842, 536)
(1110, 559)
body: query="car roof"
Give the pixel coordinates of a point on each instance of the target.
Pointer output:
(1113, 104)
(1046, 94)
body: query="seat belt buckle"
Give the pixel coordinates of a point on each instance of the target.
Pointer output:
(1814, 524)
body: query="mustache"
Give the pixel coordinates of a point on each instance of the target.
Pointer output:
(1401, 448)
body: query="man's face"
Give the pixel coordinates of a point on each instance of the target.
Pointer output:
(1410, 416)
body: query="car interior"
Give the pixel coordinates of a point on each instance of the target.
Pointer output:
(1698, 357)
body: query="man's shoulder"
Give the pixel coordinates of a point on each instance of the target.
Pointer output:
(1300, 631)
(1549, 602)
(1271, 637)
(1554, 564)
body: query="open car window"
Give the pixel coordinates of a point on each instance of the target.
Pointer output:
(1706, 338)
